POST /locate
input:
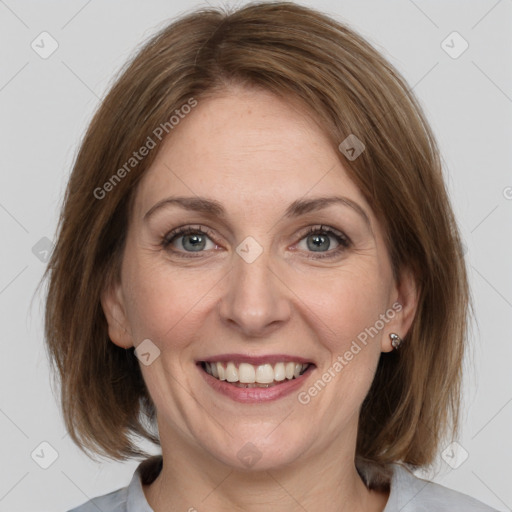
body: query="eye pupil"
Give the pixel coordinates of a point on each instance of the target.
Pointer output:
(197, 242)
(319, 242)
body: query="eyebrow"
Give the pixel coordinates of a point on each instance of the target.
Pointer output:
(295, 209)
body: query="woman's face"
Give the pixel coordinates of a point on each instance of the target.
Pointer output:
(270, 273)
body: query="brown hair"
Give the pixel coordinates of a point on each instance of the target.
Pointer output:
(297, 53)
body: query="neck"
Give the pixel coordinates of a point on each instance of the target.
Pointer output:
(189, 481)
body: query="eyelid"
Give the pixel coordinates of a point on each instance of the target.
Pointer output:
(187, 229)
(344, 242)
(176, 233)
(181, 231)
(323, 229)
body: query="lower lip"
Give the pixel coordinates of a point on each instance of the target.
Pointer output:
(256, 395)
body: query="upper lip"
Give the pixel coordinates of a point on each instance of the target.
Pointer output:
(255, 360)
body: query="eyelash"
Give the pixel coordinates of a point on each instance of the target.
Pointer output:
(343, 241)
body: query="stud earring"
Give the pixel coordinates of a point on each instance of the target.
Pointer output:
(396, 341)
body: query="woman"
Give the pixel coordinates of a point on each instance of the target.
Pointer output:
(258, 269)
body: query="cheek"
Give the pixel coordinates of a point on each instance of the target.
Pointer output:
(162, 305)
(345, 305)
(345, 314)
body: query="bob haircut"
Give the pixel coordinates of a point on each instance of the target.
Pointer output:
(347, 87)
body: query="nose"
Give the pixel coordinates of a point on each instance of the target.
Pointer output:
(256, 301)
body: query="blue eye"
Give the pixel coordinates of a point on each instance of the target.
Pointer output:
(190, 242)
(318, 241)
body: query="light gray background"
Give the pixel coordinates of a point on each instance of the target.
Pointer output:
(45, 107)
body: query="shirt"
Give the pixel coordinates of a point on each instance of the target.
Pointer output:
(408, 493)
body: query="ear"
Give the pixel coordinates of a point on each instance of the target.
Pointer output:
(406, 294)
(113, 304)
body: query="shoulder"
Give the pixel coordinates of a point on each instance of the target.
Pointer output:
(130, 498)
(412, 494)
(115, 501)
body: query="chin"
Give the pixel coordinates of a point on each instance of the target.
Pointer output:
(260, 452)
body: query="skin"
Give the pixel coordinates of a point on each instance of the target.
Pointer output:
(270, 153)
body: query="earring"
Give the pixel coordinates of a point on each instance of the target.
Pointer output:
(396, 341)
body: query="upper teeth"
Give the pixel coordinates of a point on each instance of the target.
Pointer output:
(247, 373)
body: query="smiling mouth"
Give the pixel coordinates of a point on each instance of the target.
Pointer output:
(246, 375)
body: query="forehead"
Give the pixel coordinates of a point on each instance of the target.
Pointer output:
(247, 147)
